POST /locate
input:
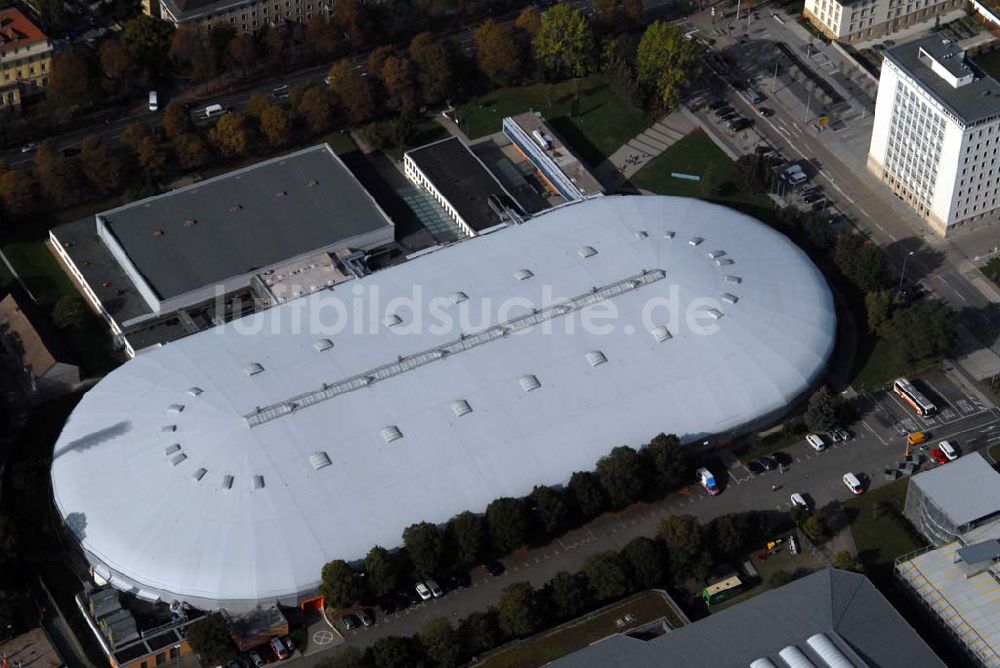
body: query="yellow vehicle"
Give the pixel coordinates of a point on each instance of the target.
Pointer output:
(916, 438)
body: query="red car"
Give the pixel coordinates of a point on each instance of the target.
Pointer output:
(938, 456)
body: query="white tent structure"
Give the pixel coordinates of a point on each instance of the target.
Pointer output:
(226, 468)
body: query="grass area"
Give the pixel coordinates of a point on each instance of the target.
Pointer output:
(992, 268)
(799, 565)
(546, 647)
(340, 142)
(882, 366)
(590, 116)
(698, 155)
(880, 531)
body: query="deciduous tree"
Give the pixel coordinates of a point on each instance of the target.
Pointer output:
(230, 134)
(349, 16)
(176, 120)
(433, 67)
(400, 87)
(393, 652)
(276, 126)
(191, 150)
(507, 524)
(861, 261)
(497, 54)
(116, 66)
(732, 534)
(425, 545)
(821, 411)
(646, 559)
(518, 610)
(210, 637)
(102, 167)
(607, 575)
(623, 476)
(147, 40)
(468, 531)
(565, 43)
(69, 313)
(666, 62)
(71, 81)
(339, 584)
(382, 571)
(314, 107)
(669, 463)
(241, 52)
(567, 594)
(17, 191)
(59, 178)
(878, 307)
(480, 631)
(442, 643)
(551, 509)
(587, 494)
(352, 91)
(685, 542)
(921, 331)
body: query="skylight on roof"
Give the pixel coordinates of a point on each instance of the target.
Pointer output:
(714, 312)
(258, 482)
(322, 344)
(194, 391)
(729, 298)
(596, 357)
(669, 234)
(459, 297)
(199, 474)
(723, 262)
(716, 254)
(732, 279)
(587, 251)
(529, 383)
(227, 482)
(460, 407)
(253, 369)
(523, 274)
(641, 234)
(175, 408)
(391, 320)
(178, 458)
(171, 449)
(319, 460)
(661, 334)
(168, 428)
(390, 434)
(695, 241)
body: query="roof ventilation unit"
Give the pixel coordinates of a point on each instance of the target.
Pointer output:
(253, 369)
(587, 251)
(763, 662)
(529, 383)
(669, 234)
(828, 652)
(596, 358)
(178, 458)
(175, 408)
(168, 428)
(227, 482)
(319, 460)
(171, 449)
(322, 344)
(642, 234)
(794, 657)
(390, 434)
(391, 320)
(714, 312)
(258, 482)
(194, 391)
(661, 334)
(199, 474)
(723, 262)
(732, 279)
(694, 241)
(460, 407)
(459, 297)
(523, 274)
(716, 254)
(730, 298)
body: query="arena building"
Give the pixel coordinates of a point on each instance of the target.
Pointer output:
(225, 468)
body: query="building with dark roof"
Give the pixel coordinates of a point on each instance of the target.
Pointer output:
(31, 348)
(560, 170)
(462, 184)
(25, 58)
(947, 501)
(829, 618)
(156, 261)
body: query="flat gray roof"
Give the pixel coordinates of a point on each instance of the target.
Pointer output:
(966, 490)
(844, 607)
(971, 103)
(244, 221)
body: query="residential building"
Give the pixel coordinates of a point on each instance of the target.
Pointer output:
(459, 181)
(830, 618)
(25, 59)
(183, 261)
(948, 501)
(250, 16)
(32, 349)
(936, 134)
(856, 20)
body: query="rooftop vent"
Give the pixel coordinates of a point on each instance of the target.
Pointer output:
(730, 298)
(194, 391)
(171, 449)
(716, 254)
(523, 274)
(319, 460)
(587, 251)
(714, 312)
(669, 234)
(460, 407)
(157, 232)
(175, 408)
(596, 357)
(236, 207)
(529, 383)
(168, 428)
(178, 458)
(661, 334)
(312, 184)
(723, 262)
(227, 482)
(732, 279)
(391, 320)
(322, 344)
(199, 474)
(282, 193)
(642, 234)
(694, 241)
(390, 434)
(190, 222)
(459, 297)
(258, 482)
(253, 369)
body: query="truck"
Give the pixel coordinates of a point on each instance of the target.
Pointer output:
(707, 481)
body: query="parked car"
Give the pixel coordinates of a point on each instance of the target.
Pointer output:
(754, 467)
(289, 645)
(367, 616)
(740, 124)
(435, 588)
(386, 606)
(768, 463)
(852, 483)
(938, 456)
(723, 110)
(350, 621)
(834, 436)
(845, 435)
(423, 591)
(257, 659)
(816, 442)
(154, 103)
(729, 116)
(766, 112)
(404, 598)
(458, 580)
(717, 104)
(916, 438)
(783, 458)
(279, 649)
(798, 500)
(813, 197)
(495, 568)
(948, 450)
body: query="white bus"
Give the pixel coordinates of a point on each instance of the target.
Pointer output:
(911, 395)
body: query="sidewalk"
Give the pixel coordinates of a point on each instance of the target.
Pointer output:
(638, 151)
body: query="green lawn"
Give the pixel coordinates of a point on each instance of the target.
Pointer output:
(592, 118)
(994, 454)
(546, 647)
(697, 155)
(992, 268)
(880, 540)
(882, 366)
(799, 565)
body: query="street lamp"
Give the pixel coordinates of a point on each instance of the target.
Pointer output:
(902, 274)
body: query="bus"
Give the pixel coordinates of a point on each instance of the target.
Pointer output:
(917, 401)
(721, 590)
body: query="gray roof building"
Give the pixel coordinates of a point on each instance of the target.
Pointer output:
(954, 80)
(949, 500)
(829, 618)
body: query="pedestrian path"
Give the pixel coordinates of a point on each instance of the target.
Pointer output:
(639, 150)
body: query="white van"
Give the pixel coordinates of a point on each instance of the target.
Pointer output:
(852, 483)
(153, 103)
(816, 441)
(213, 110)
(948, 450)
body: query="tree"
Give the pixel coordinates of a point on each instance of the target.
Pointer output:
(321, 37)
(314, 108)
(256, 105)
(276, 126)
(433, 67)
(622, 475)
(529, 20)
(425, 545)
(210, 638)
(607, 575)
(507, 524)
(666, 455)
(497, 54)
(632, 11)
(442, 643)
(340, 584)
(376, 59)
(348, 656)
(276, 45)
(647, 562)
(666, 62)
(711, 181)
(844, 560)
(102, 167)
(564, 43)
(348, 16)
(52, 16)
(518, 611)
(821, 411)
(567, 594)
(921, 331)
(242, 52)
(815, 527)
(218, 39)
(480, 631)
(133, 135)
(352, 91)
(230, 134)
(71, 80)
(189, 51)
(116, 66)
(861, 261)
(752, 173)
(878, 306)
(69, 313)
(176, 120)
(153, 160)
(587, 494)
(732, 533)
(392, 652)
(59, 178)
(605, 11)
(551, 508)
(382, 571)
(191, 150)
(398, 78)
(17, 190)
(469, 534)
(685, 541)
(147, 40)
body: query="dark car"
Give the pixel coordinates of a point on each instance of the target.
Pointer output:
(367, 616)
(820, 205)
(70, 151)
(717, 104)
(728, 117)
(813, 197)
(402, 599)
(459, 580)
(387, 606)
(740, 124)
(495, 568)
(766, 112)
(783, 458)
(722, 111)
(768, 463)
(350, 622)
(754, 467)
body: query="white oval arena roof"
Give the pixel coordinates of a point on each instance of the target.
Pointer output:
(227, 467)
